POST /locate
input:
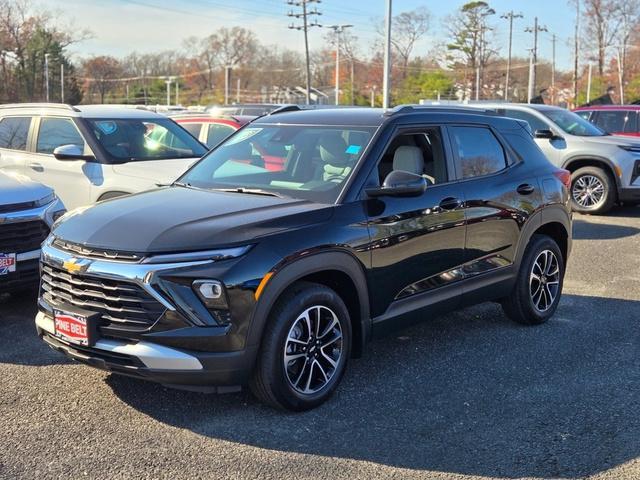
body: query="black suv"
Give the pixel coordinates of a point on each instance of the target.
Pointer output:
(241, 275)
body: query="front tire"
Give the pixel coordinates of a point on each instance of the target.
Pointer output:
(592, 191)
(305, 348)
(538, 288)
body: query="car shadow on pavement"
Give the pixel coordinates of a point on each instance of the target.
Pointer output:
(19, 343)
(601, 231)
(467, 393)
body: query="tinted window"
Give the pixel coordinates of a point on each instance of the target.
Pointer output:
(611, 122)
(478, 151)
(584, 114)
(314, 164)
(632, 122)
(217, 133)
(573, 124)
(534, 122)
(141, 139)
(192, 128)
(55, 132)
(14, 132)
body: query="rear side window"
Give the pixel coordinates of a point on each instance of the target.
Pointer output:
(55, 132)
(192, 128)
(478, 151)
(217, 133)
(584, 114)
(14, 132)
(612, 122)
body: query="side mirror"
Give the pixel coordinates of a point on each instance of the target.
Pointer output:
(546, 133)
(71, 152)
(400, 184)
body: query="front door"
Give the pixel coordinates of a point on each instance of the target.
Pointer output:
(417, 242)
(71, 179)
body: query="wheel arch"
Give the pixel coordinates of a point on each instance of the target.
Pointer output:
(554, 221)
(338, 270)
(573, 164)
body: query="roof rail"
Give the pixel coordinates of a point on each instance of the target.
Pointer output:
(40, 105)
(437, 108)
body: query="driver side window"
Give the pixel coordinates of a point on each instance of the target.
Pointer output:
(421, 153)
(55, 132)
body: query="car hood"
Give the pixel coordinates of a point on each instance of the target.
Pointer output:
(178, 219)
(160, 171)
(613, 140)
(15, 189)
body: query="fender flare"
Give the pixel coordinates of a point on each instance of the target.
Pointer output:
(550, 214)
(289, 273)
(594, 158)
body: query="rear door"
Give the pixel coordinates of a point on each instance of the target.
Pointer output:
(417, 242)
(71, 179)
(500, 193)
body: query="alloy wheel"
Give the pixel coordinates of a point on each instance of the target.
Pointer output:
(313, 349)
(588, 191)
(544, 280)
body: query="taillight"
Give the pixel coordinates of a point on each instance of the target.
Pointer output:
(564, 176)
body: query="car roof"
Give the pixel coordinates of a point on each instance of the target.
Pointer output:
(206, 118)
(83, 111)
(609, 107)
(540, 107)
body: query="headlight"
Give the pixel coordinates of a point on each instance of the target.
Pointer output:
(46, 200)
(631, 148)
(215, 255)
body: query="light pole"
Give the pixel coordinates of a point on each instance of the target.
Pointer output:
(61, 82)
(509, 16)
(338, 29)
(386, 80)
(168, 81)
(46, 76)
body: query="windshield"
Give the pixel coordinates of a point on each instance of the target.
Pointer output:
(298, 161)
(145, 139)
(573, 124)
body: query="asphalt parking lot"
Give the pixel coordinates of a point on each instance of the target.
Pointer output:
(467, 395)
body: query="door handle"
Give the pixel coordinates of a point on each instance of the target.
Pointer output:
(36, 166)
(525, 189)
(450, 203)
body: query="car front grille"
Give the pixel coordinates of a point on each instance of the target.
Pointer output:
(22, 237)
(124, 307)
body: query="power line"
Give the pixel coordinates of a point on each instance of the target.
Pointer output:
(306, 25)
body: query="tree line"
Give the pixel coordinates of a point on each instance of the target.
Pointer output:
(468, 62)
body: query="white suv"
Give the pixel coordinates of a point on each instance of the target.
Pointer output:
(91, 153)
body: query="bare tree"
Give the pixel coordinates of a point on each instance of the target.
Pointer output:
(629, 18)
(408, 29)
(101, 73)
(602, 21)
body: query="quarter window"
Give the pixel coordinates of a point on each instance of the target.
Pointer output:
(478, 151)
(14, 132)
(55, 132)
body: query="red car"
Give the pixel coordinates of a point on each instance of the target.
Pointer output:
(614, 119)
(212, 130)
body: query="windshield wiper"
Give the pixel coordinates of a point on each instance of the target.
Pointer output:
(249, 191)
(175, 184)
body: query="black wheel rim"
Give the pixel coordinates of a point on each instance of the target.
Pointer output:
(313, 349)
(544, 280)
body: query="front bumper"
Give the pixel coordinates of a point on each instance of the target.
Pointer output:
(177, 368)
(629, 194)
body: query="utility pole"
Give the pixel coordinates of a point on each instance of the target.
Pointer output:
(227, 79)
(575, 55)
(530, 86)
(536, 28)
(238, 90)
(61, 82)
(589, 83)
(338, 30)
(168, 81)
(509, 16)
(553, 69)
(386, 79)
(177, 91)
(46, 75)
(306, 25)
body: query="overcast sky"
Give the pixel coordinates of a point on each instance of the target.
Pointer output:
(122, 26)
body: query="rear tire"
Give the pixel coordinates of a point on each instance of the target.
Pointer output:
(592, 191)
(538, 288)
(310, 326)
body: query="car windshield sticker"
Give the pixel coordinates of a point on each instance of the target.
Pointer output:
(107, 127)
(353, 149)
(243, 135)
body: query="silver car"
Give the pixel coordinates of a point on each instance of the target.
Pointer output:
(27, 212)
(605, 169)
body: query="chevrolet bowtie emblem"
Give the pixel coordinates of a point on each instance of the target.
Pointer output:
(74, 265)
